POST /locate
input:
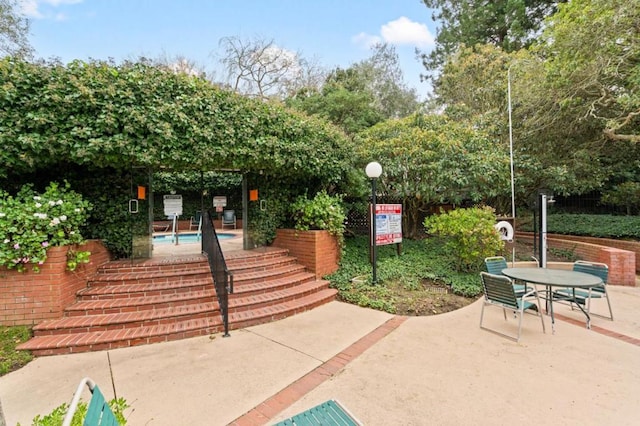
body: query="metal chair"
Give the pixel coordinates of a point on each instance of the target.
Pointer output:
(499, 291)
(98, 413)
(229, 218)
(495, 265)
(584, 297)
(196, 221)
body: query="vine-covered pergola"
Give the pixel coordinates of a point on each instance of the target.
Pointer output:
(104, 118)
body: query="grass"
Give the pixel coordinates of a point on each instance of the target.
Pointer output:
(10, 358)
(405, 282)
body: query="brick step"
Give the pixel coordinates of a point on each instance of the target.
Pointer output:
(248, 318)
(122, 338)
(260, 276)
(258, 301)
(245, 288)
(132, 304)
(142, 277)
(159, 288)
(150, 265)
(262, 265)
(89, 323)
(237, 258)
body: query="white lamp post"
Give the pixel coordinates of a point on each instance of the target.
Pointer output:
(373, 171)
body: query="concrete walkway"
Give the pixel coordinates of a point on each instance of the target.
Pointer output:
(385, 369)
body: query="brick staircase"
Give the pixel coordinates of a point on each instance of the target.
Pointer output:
(128, 304)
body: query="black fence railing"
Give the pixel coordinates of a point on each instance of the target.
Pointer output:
(222, 277)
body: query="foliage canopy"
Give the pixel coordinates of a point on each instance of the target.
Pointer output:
(135, 114)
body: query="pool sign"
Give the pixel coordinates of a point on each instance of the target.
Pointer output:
(388, 224)
(172, 205)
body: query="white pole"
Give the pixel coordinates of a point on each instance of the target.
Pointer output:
(543, 230)
(513, 192)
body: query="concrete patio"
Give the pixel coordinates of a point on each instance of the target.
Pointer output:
(385, 369)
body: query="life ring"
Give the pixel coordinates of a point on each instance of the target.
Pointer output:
(505, 229)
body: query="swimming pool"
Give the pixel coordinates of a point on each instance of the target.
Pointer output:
(187, 237)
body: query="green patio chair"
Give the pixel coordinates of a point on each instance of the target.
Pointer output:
(499, 291)
(495, 265)
(329, 413)
(98, 413)
(584, 296)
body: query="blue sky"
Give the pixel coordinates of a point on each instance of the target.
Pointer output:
(334, 32)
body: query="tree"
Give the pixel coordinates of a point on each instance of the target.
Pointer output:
(383, 76)
(363, 94)
(593, 56)
(430, 160)
(14, 30)
(508, 24)
(260, 68)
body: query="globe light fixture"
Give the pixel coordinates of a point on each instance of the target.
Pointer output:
(373, 171)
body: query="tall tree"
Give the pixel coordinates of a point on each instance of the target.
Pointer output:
(14, 30)
(261, 68)
(430, 160)
(508, 24)
(363, 94)
(383, 76)
(592, 51)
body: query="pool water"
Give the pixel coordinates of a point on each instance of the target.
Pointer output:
(191, 237)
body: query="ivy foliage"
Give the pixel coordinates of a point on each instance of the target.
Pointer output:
(135, 114)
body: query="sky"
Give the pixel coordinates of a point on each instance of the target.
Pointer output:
(332, 32)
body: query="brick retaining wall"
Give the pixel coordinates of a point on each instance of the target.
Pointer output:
(318, 251)
(622, 263)
(27, 298)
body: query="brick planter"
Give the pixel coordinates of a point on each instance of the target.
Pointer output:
(318, 251)
(27, 298)
(622, 263)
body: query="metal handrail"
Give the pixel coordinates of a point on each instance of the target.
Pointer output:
(222, 277)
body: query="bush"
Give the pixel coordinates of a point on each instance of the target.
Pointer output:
(30, 223)
(322, 212)
(469, 235)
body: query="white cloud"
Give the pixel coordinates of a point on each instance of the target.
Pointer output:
(405, 31)
(31, 8)
(366, 40)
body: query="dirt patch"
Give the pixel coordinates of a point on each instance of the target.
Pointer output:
(432, 298)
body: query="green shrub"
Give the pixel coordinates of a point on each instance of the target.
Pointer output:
(30, 223)
(321, 212)
(469, 235)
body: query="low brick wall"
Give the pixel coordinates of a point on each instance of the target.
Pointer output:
(318, 251)
(27, 298)
(622, 263)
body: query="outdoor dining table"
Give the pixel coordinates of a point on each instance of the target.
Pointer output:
(556, 278)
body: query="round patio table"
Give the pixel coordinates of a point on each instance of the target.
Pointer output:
(556, 278)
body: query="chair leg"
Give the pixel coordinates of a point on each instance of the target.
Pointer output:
(540, 314)
(606, 294)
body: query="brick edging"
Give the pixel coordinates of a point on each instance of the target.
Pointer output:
(268, 409)
(600, 330)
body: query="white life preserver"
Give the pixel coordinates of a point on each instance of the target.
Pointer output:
(505, 229)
